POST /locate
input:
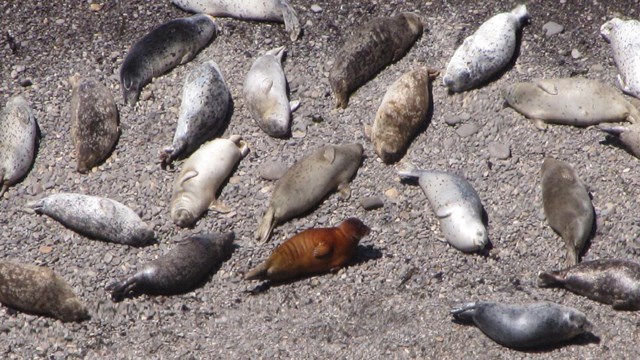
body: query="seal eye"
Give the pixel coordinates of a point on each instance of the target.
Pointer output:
(127, 83)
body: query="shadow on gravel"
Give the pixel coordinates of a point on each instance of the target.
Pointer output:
(363, 255)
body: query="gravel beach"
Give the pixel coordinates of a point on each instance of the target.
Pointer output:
(393, 300)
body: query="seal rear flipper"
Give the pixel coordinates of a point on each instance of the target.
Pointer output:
(549, 279)
(266, 226)
(626, 304)
(464, 312)
(291, 23)
(121, 289)
(322, 250)
(344, 190)
(257, 273)
(5, 186)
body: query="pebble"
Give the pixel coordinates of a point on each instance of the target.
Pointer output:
(95, 7)
(458, 119)
(499, 151)
(272, 170)
(467, 130)
(316, 8)
(392, 194)
(552, 28)
(371, 202)
(25, 82)
(576, 54)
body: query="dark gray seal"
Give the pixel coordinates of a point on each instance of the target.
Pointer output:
(179, 270)
(373, 46)
(525, 326)
(165, 47)
(38, 290)
(567, 206)
(95, 217)
(613, 282)
(94, 122)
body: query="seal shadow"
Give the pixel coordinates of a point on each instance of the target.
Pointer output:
(363, 255)
(611, 140)
(582, 339)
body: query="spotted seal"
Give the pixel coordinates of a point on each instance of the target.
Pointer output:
(18, 136)
(625, 46)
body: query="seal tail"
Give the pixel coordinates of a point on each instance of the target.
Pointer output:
(408, 171)
(257, 273)
(549, 279)
(291, 23)
(464, 312)
(266, 226)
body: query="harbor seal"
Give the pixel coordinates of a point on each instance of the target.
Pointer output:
(204, 111)
(18, 136)
(312, 251)
(567, 206)
(629, 136)
(625, 45)
(569, 101)
(486, 52)
(455, 203)
(525, 326)
(613, 282)
(165, 47)
(309, 181)
(202, 175)
(265, 91)
(95, 217)
(179, 270)
(401, 114)
(261, 10)
(94, 122)
(374, 45)
(39, 290)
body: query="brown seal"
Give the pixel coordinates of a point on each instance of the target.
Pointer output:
(38, 290)
(312, 251)
(375, 45)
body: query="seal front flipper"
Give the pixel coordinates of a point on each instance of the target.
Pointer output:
(322, 250)
(546, 279)
(444, 212)
(266, 226)
(548, 87)
(220, 207)
(291, 23)
(540, 124)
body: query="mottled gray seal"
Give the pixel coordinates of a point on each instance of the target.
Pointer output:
(95, 217)
(486, 52)
(165, 47)
(613, 282)
(202, 174)
(204, 111)
(18, 135)
(94, 122)
(455, 203)
(370, 48)
(179, 270)
(265, 91)
(312, 251)
(525, 326)
(625, 45)
(308, 181)
(401, 114)
(261, 10)
(628, 135)
(38, 290)
(567, 206)
(569, 101)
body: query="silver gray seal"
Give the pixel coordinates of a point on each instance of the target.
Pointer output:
(95, 217)
(204, 111)
(525, 326)
(18, 135)
(262, 10)
(486, 52)
(165, 47)
(456, 205)
(625, 46)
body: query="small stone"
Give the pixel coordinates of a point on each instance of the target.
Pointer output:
(317, 118)
(146, 95)
(45, 249)
(596, 68)
(316, 8)
(576, 54)
(467, 130)
(371, 202)
(392, 194)
(458, 119)
(25, 82)
(272, 170)
(552, 28)
(298, 134)
(14, 74)
(60, 22)
(95, 7)
(499, 151)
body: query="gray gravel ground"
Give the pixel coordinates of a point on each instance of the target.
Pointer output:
(393, 301)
